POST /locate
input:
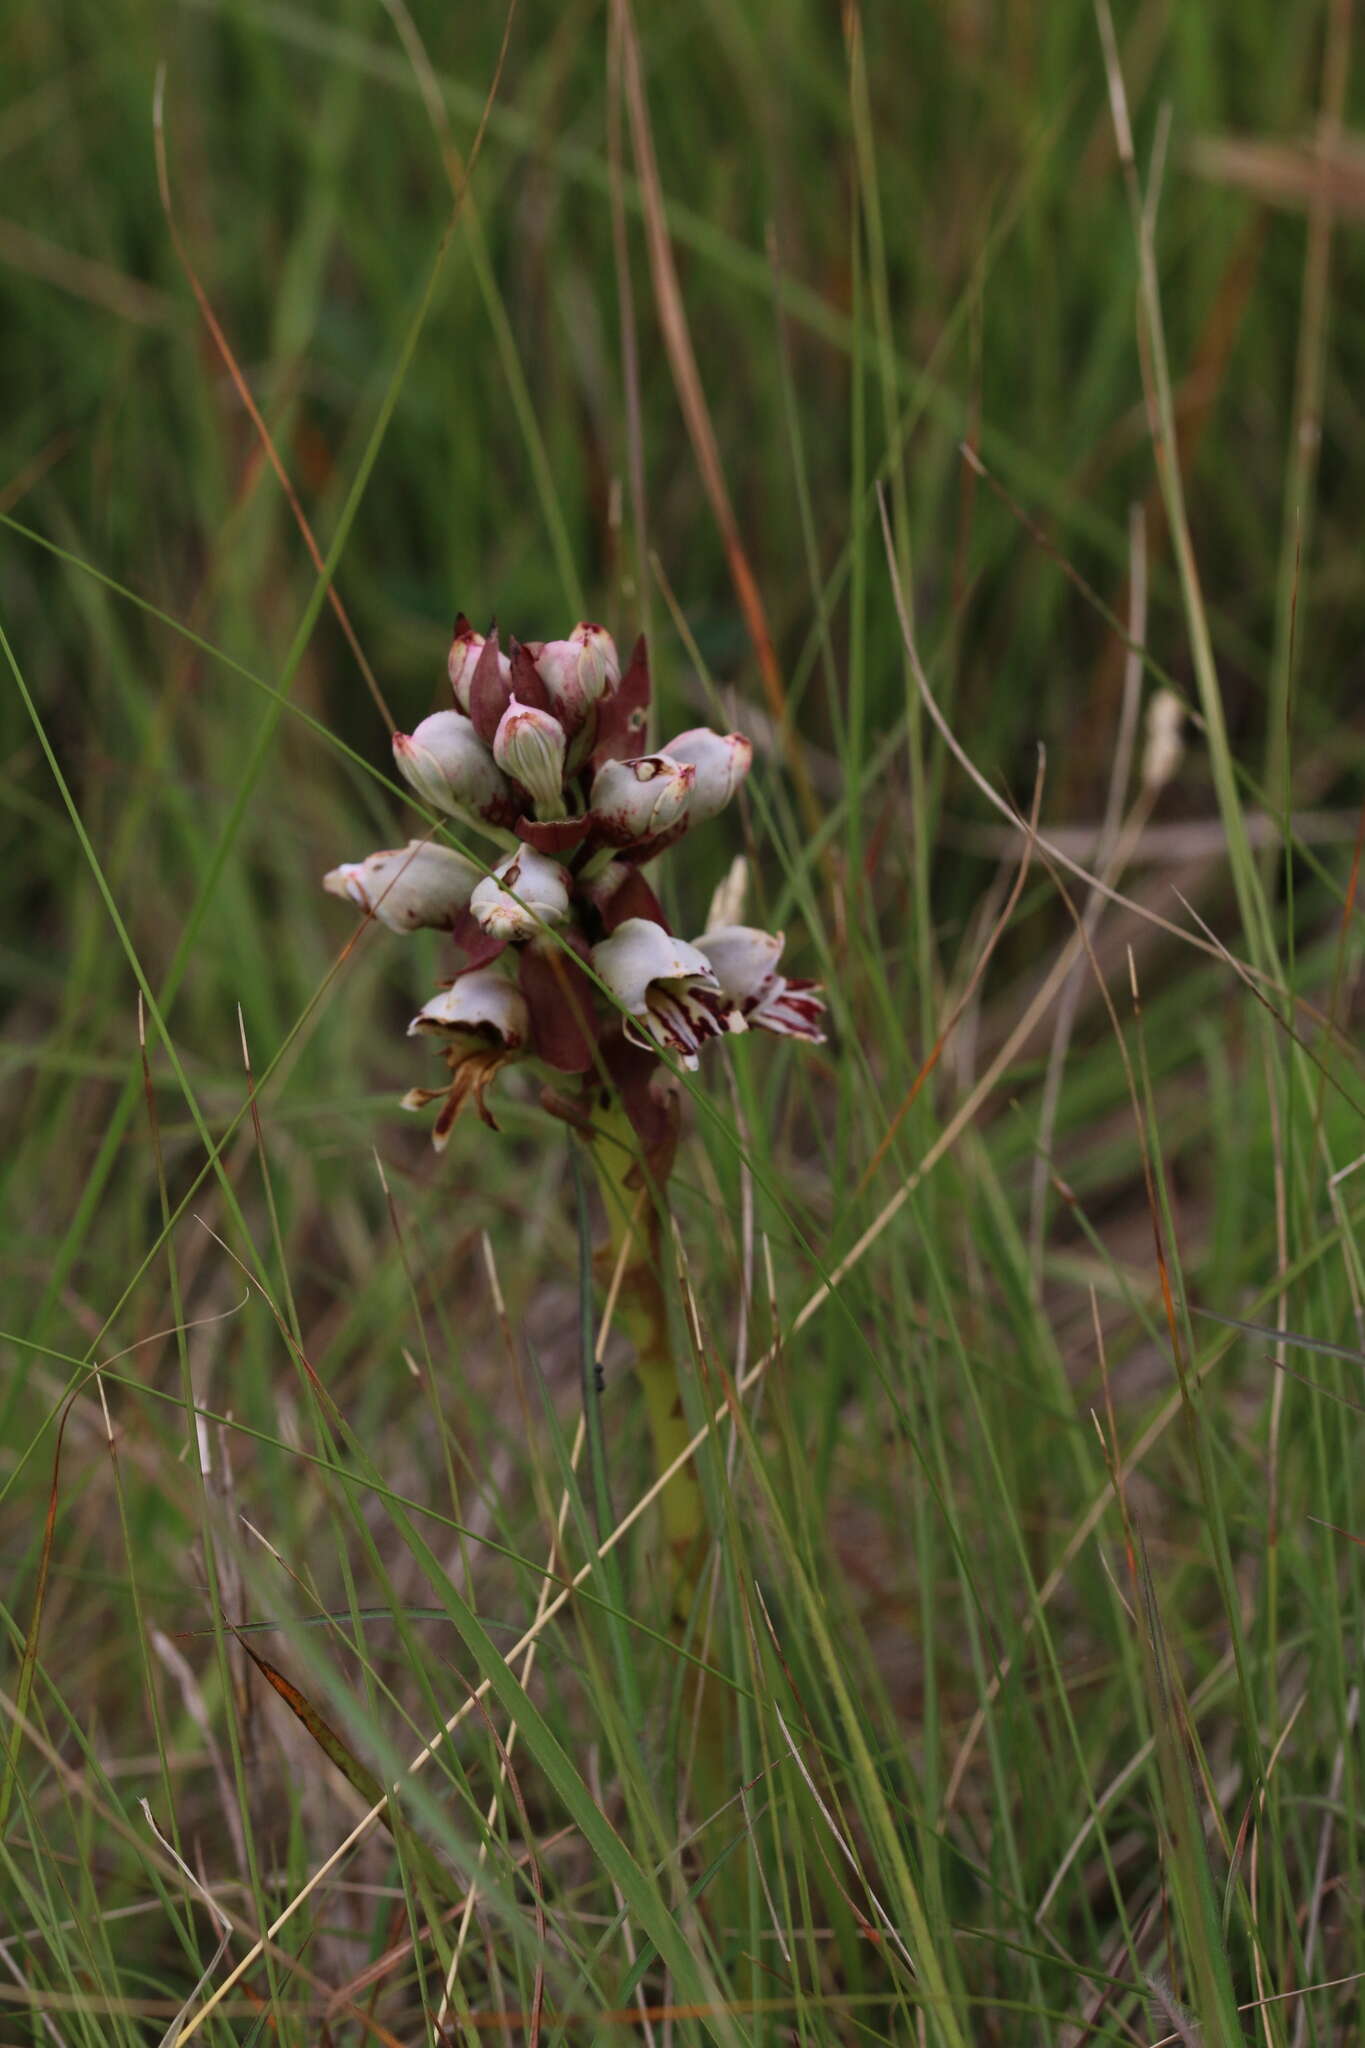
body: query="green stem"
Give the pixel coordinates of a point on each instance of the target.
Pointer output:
(631, 1265)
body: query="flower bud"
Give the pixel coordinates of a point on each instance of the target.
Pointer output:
(529, 746)
(578, 672)
(465, 650)
(481, 1005)
(727, 903)
(744, 962)
(524, 893)
(722, 760)
(667, 988)
(633, 800)
(411, 888)
(450, 767)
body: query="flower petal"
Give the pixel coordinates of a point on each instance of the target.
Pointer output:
(481, 1003)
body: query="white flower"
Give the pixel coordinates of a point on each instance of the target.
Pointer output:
(721, 762)
(483, 1023)
(744, 961)
(465, 650)
(524, 893)
(449, 766)
(482, 1004)
(415, 886)
(667, 988)
(635, 800)
(530, 745)
(578, 671)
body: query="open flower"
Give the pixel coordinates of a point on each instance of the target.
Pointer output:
(668, 989)
(414, 886)
(744, 962)
(482, 1023)
(524, 893)
(450, 767)
(529, 745)
(639, 799)
(720, 762)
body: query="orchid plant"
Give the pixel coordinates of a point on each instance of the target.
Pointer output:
(568, 961)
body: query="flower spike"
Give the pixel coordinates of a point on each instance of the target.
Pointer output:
(544, 751)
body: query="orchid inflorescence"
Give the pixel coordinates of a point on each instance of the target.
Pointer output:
(569, 959)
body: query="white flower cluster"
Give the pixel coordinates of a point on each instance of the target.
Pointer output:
(538, 753)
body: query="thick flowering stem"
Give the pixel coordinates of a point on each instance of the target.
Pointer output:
(635, 1214)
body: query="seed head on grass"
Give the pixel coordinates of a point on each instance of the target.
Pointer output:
(566, 959)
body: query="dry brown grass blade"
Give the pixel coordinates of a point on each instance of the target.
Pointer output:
(686, 377)
(344, 1759)
(333, 1746)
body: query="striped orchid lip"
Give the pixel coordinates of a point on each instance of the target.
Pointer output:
(667, 989)
(744, 962)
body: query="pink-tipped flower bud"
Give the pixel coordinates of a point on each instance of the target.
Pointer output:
(529, 745)
(578, 672)
(450, 767)
(634, 800)
(465, 649)
(524, 893)
(414, 887)
(744, 962)
(668, 990)
(722, 760)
